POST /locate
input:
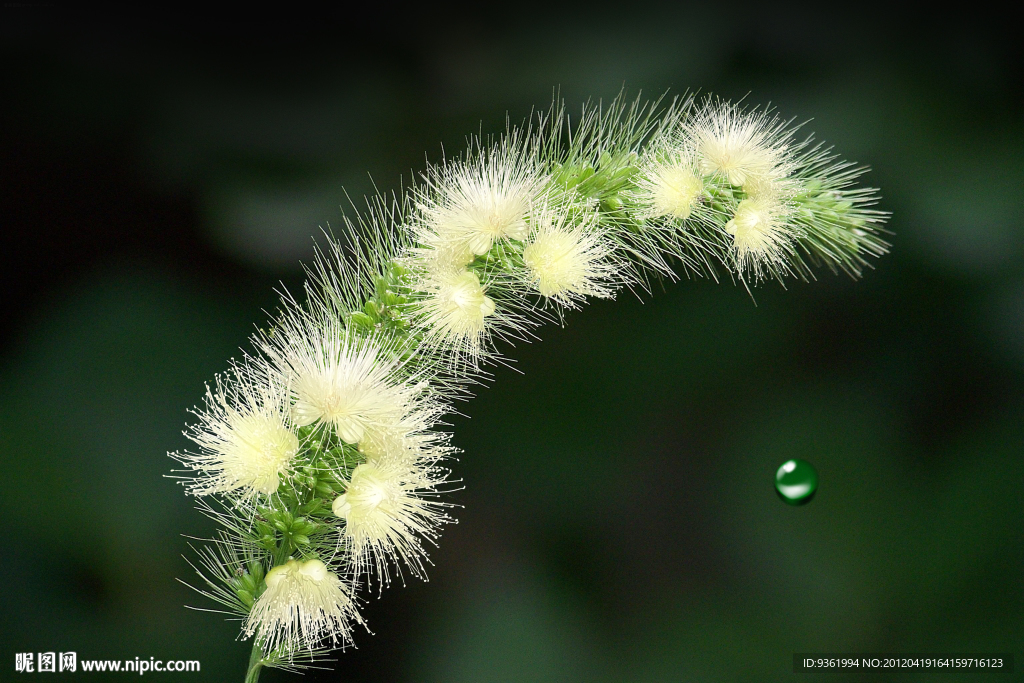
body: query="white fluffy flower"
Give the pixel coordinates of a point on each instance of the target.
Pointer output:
(761, 234)
(346, 387)
(670, 187)
(472, 203)
(567, 261)
(747, 148)
(454, 309)
(304, 605)
(247, 445)
(339, 379)
(386, 515)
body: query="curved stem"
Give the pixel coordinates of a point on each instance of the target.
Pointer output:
(255, 663)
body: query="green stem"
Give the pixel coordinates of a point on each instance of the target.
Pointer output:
(281, 556)
(255, 663)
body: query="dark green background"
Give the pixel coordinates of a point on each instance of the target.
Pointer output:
(620, 522)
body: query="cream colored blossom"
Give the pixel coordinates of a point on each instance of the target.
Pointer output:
(761, 234)
(472, 203)
(568, 259)
(246, 443)
(388, 513)
(670, 188)
(339, 379)
(747, 148)
(303, 606)
(455, 308)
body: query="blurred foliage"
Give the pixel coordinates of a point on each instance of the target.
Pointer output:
(620, 522)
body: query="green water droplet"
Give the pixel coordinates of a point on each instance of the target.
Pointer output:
(796, 481)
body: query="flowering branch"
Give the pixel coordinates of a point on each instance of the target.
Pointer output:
(319, 453)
